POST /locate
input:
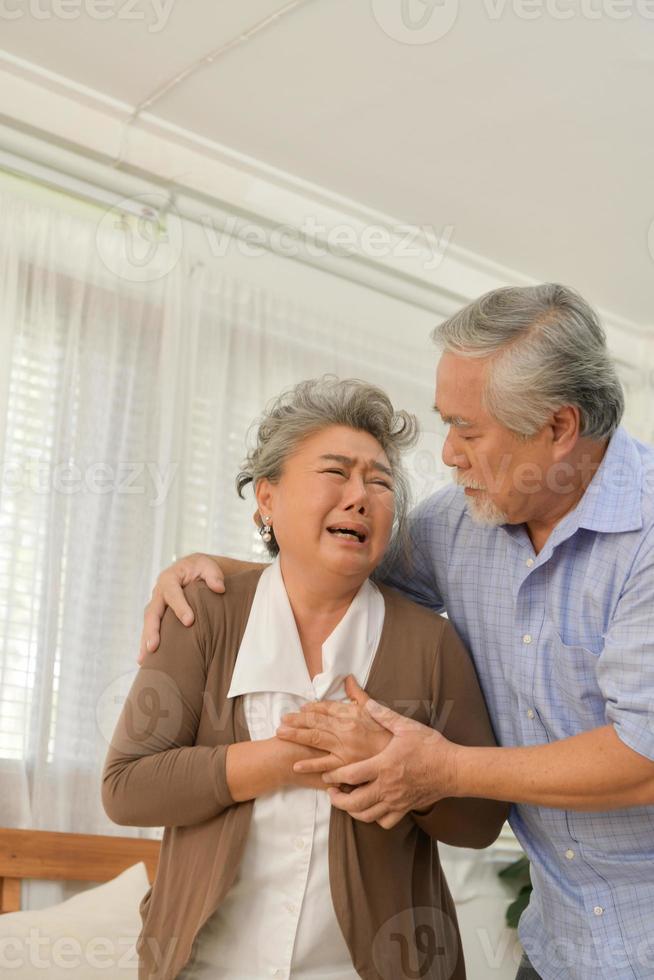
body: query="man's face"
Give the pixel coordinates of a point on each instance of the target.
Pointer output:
(503, 474)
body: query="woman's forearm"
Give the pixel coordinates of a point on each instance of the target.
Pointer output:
(463, 823)
(265, 766)
(173, 788)
(253, 769)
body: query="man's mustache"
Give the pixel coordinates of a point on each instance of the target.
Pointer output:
(468, 481)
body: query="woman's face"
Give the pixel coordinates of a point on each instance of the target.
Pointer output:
(333, 507)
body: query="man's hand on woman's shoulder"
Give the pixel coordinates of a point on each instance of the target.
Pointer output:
(168, 591)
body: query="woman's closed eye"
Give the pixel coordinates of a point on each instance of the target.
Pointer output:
(339, 472)
(378, 482)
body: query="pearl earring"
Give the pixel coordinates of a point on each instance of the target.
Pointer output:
(265, 531)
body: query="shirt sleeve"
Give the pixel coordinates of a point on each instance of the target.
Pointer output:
(459, 713)
(412, 569)
(625, 670)
(154, 774)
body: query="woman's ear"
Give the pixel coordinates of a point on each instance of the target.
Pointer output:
(264, 494)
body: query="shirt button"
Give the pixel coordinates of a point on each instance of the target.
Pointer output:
(531, 713)
(291, 908)
(529, 562)
(526, 638)
(570, 854)
(598, 910)
(299, 844)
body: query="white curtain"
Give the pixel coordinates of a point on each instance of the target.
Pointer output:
(126, 392)
(124, 407)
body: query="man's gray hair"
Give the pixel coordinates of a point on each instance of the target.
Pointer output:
(547, 349)
(318, 404)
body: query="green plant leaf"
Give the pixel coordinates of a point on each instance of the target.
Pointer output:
(517, 907)
(518, 877)
(518, 871)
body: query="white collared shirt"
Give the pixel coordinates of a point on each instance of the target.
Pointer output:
(278, 919)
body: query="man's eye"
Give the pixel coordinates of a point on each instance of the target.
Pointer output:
(383, 483)
(339, 472)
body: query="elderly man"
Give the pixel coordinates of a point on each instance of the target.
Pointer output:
(543, 558)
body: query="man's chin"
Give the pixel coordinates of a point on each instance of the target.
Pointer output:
(484, 512)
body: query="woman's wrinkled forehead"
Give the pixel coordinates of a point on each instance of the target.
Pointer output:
(349, 447)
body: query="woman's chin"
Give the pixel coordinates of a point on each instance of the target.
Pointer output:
(349, 565)
(348, 558)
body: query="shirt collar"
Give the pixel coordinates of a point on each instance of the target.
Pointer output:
(612, 501)
(270, 656)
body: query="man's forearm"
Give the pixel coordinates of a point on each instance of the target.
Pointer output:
(231, 566)
(591, 771)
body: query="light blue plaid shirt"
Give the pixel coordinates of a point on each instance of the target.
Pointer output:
(563, 642)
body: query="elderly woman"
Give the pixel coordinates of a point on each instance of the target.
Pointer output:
(259, 876)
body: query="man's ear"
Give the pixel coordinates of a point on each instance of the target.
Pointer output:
(566, 422)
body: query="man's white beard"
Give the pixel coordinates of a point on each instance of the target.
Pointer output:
(482, 510)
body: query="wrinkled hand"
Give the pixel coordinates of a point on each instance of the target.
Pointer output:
(168, 592)
(346, 733)
(417, 768)
(290, 755)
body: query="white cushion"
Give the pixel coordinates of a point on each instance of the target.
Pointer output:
(91, 934)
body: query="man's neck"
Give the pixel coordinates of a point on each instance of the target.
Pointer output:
(585, 463)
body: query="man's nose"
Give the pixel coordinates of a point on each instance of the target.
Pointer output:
(452, 454)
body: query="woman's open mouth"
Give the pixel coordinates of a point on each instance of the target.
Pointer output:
(348, 533)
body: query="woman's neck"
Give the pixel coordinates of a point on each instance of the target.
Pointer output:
(318, 607)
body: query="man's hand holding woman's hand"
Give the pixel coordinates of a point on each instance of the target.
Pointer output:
(412, 768)
(287, 757)
(344, 731)
(396, 764)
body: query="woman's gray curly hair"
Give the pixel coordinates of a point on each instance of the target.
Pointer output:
(318, 404)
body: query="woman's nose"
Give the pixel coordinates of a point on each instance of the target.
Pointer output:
(356, 496)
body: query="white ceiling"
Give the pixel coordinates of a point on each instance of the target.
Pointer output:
(534, 139)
